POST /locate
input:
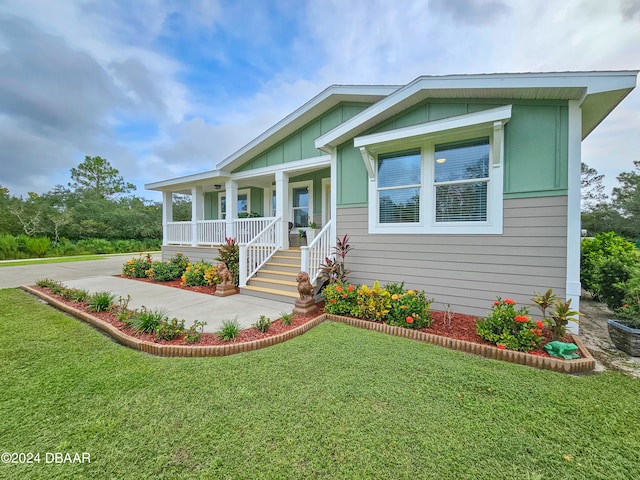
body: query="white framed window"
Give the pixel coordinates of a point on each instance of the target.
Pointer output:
(301, 203)
(244, 203)
(399, 186)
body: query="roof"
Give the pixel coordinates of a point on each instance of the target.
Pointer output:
(600, 93)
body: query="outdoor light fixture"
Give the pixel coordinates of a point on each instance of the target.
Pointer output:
(217, 186)
(441, 160)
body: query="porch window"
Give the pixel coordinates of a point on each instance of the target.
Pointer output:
(244, 203)
(300, 207)
(461, 180)
(399, 181)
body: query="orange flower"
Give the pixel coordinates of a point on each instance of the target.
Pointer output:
(539, 324)
(339, 289)
(409, 319)
(344, 295)
(395, 296)
(508, 301)
(521, 318)
(333, 300)
(496, 303)
(350, 289)
(501, 346)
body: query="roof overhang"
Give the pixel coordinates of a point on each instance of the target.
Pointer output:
(184, 184)
(321, 103)
(598, 92)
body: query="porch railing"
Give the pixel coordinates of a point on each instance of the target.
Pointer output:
(246, 229)
(313, 255)
(212, 232)
(258, 250)
(179, 233)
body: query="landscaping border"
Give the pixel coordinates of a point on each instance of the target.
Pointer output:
(585, 364)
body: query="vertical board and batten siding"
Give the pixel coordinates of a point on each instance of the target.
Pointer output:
(467, 271)
(301, 144)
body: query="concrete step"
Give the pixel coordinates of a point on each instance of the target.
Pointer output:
(269, 293)
(281, 285)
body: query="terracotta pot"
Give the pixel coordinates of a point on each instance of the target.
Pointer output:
(624, 338)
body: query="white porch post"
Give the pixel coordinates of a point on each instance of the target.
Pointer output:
(334, 196)
(197, 212)
(232, 206)
(573, 209)
(282, 205)
(167, 215)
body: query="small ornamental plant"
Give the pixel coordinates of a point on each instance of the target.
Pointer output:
(341, 298)
(410, 309)
(373, 303)
(509, 328)
(211, 276)
(163, 272)
(193, 276)
(137, 267)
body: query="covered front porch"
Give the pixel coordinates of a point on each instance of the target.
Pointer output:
(265, 212)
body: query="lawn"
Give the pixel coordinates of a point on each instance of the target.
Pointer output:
(337, 402)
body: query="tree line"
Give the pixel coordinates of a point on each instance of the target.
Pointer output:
(96, 203)
(618, 212)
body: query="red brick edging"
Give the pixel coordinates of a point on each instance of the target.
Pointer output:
(585, 364)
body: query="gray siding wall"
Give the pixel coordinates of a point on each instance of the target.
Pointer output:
(195, 254)
(468, 271)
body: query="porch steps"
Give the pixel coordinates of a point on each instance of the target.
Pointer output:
(276, 280)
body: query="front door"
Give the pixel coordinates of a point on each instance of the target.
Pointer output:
(300, 198)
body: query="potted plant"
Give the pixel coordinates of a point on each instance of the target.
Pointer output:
(311, 232)
(625, 330)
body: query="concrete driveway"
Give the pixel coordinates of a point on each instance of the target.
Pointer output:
(101, 275)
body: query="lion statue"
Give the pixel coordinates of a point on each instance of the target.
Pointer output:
(225, 275)
(305, 289)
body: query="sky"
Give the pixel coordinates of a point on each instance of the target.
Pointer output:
(165, 88)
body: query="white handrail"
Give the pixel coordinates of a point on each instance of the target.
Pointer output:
(178, 233)
(246, 229)
(211, 232)
(257, 251)
(313, 255)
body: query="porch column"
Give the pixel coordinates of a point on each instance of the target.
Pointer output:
(167, 215)
(334, 197)
(232, 207)
(282, 207)
(197, 212)
(573, 209)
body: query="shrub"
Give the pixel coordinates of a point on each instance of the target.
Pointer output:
(373, 303)
(146, 321)
(47, 283)
(409, 309)
(229, 330)
(100, 301)
(341, 298)
(211, 276)
(194, 335)
(510, 329)
(605, 261)
(333, 269)
(180, 261)
(169, 329)
(286, 318)
(96, 245)
(263, 324)
(8, 247)
(163, 272)
(193, 276)
(559, 318)
(137, 267)
(37, 246)
(229, 253)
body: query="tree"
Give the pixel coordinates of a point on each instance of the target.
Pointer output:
(626, 199)
(591, 187)
(96, 175)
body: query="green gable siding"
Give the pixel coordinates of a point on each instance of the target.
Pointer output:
(352, 177)
(211, 206)
(257, 201)
(536, 151)
(300, 144)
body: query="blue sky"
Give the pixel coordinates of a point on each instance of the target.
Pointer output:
(168, 88)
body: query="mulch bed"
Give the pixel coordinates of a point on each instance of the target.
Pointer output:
(458, 326)
(177, 283)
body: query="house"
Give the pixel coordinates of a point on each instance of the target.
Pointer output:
(465, 186)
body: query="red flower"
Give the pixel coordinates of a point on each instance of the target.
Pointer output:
(333, 300)
(501, 346)
(350, 289)
(521, 318)
(508, 301)
(344, 295)
(496, 303)
(540, 324)
(339, 289)
(409, 319)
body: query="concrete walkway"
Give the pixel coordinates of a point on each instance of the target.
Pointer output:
(101, 275)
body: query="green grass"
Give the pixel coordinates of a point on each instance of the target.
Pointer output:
(77, 258)
(337, 402)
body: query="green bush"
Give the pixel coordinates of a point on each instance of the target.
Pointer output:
(169, 329)
(8, 247)
(194, 333)
(286, 318)
(147, 321)
(263, 324)
(341, 298)
(137, 267)
(180, 261)
(510, 329)
(37, 246)
(194, 275)
(373, 303)
(409, 309)
(100, 301)
(96, 245)
(163, 272)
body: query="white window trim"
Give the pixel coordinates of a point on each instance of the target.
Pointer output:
(244, 191)
(309, 185)
(427, 224)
